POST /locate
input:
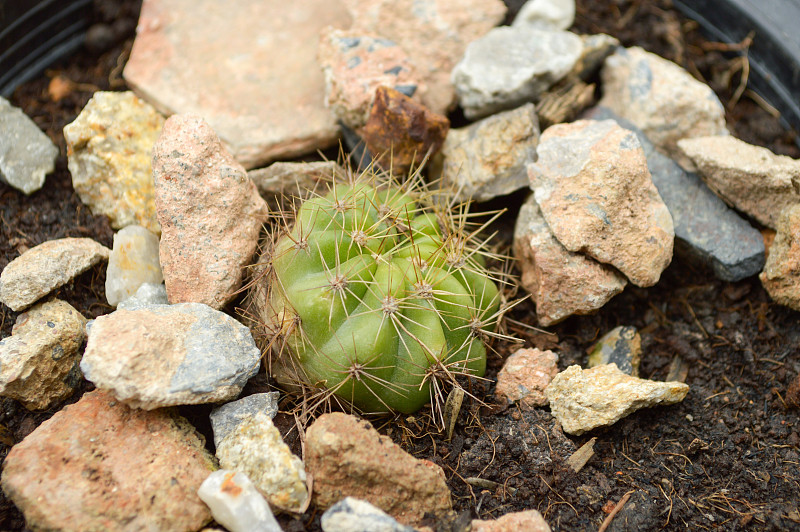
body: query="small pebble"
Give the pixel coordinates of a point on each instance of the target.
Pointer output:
(236, 504)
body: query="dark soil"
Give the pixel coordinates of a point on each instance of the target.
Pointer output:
(726, 458)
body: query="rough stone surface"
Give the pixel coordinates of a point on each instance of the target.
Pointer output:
(259, 87)
(751, 178)
(401, 132)
(489, 158)
(621, 346)
(236, 504)
(354, 515)
(39, 361)
(562, 283)
(27, 154)
(661, 98)
(226, 418)
(596, 48)
(583, 400)
(510, 66)
(45, 267)
(133, 262)
(256, 449)
(355, 64)
(99, 465)
(210, 213)
(525, 375)
(347, 457)
(147, 294)
(294, 179)
(166, 355)
(706, 230)
(781, 275)
(110, 150)
(435, 34)
(546, 14)
(593, 187)
(529, 521)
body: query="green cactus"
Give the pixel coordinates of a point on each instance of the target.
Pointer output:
(375, 295)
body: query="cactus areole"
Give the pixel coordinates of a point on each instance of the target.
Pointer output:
(375, 296)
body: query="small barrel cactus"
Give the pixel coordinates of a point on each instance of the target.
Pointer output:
(374, 295)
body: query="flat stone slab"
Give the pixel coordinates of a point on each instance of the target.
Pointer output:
(27, 154)
(257, 81)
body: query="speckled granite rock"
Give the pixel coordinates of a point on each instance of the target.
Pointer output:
(27, 154)
(525, 375)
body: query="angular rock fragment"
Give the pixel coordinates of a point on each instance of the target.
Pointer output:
(529, 521)
(110, 151)
(546, 14)
(45, 267)
(561, 282)
(353, 515)
(661, 99)
(525, 375)
(593, 187)
(166, 355)
(489, 158)
(133, 262)
(706, 230)
(510, 66)
(236, 504)
(255, 448)
(583, 400)
(126, 469)
(147, 294)
(27, 154)
(621, 346)
(294, 179)
(751, 178)
(781, 275)
(259, 87)
(39, 361)
(226, 418)
(347, 457)
(400, 133)
(210, 213)
(434, 33)
(355, 65)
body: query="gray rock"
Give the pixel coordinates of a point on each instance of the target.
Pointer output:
(546, 14)
(294, 179)
(133, 262)
(227, 417)
(706, 229)
(39, 361)
(489, 158)
(165, 355)
(354, 515)
(27, 154)
(45, 267)
(236, 504)
(510, 66)
(621, 346)
(147, 294)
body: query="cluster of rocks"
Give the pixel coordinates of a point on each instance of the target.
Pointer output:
(649, 170)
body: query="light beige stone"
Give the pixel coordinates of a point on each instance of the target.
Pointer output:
(661, 99)
(750, 178)
(45, 267)
(562, 283)
(295, 179)
(489, 158)
(435, 34)
(525, 375)
(132, 263)
(527, 521)
(109, 150)
(595, 191)
(583, 400)
(781, 275)
(250, 70)
(39, 361)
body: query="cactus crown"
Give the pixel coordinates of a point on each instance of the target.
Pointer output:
(375, 294)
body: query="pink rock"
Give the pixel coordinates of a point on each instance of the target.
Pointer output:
(249, 68)
(525, 375)
(595, 191)
(561, 283)
(529, 521)
(435, 34)
(781, 275)
(209, 210)
(99, 465)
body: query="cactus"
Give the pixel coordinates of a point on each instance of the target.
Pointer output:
(375, 295)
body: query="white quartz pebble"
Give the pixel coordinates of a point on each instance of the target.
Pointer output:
(236, 504)
(133, 262)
